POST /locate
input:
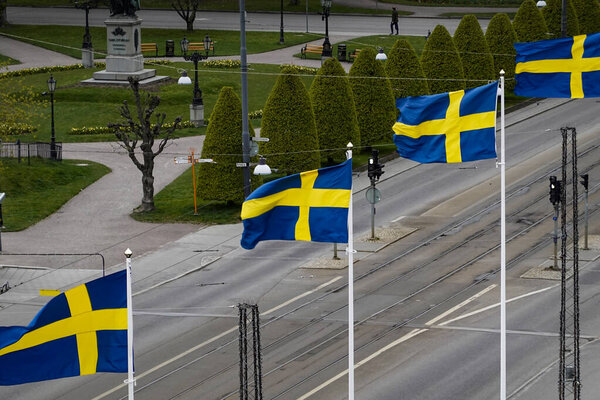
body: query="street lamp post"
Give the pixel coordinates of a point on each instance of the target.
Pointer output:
(325, 16)
(281, 40)
(87, 49)
(197, 106)
(51, 89)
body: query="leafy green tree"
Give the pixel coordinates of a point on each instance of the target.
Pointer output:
(552, 15)
(375, 104)
(405, 72)
(333, 104)
(529, 23)
(588, 15)
(289, 123)
(477, 62)
(441, 62)
(500, 37)
(223, 181)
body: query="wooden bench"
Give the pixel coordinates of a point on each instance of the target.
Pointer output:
(354, 54)
(311, 48)
(200, 47)
(150, 47)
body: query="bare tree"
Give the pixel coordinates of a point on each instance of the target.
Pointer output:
(3, 21)
(186, 10)
(139, 130)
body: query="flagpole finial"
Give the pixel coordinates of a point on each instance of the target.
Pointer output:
(350, 145)
(501, 72)
(128, 253)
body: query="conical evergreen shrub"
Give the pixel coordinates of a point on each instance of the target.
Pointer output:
(441, 62)
(223, 181)
(405, 72)
(335, 114)
(529, 23)
(500, 37)
(375, 104)
(289, 123)
(588, 15)
(552, 15)
(477, 62)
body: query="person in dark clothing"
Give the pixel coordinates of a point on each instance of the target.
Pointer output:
(394, 23)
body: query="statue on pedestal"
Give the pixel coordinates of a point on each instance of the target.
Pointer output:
(124, 7)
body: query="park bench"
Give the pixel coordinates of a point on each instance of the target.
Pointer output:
(311, 48)
(200, 47)
(150, 47)
(354, 54)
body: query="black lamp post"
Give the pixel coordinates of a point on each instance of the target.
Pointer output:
(325, 16)
(195, 57)
(281, 40)
(86, 5)
(51, 89)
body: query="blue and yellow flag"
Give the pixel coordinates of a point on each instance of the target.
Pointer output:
(79, 332)
(309, 206)
(448, 127)
(566, 67)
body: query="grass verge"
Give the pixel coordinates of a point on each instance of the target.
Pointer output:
(35, 191)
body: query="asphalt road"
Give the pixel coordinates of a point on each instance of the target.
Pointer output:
(338, 24)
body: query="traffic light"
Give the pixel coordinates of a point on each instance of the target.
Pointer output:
(555, 191)
(375, 170)
(585, 181)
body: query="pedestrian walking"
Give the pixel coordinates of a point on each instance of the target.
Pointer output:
(394, 23)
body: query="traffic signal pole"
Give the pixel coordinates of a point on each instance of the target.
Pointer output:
(374, 170)
(584, 182)
(555, 197)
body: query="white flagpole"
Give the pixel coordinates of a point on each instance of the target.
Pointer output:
(350, 292)
(502, 245)
(130, 379)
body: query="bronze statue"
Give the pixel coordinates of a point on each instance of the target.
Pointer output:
(125, 7)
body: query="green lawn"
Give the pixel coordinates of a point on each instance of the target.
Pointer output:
(314, 6)
(4, 60)
(67, 39)
(35, 191)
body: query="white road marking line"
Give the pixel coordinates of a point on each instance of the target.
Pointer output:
(404, 338)
(498, 304)
(399, 218)
(214, 338)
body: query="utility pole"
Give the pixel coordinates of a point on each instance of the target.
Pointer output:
(249, 342)
(585, 182)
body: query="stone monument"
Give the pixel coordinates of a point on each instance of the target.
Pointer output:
(124, 54)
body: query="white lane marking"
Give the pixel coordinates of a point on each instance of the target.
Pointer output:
(404, 338)
(498, 304)
(399, 218)
(214, 338)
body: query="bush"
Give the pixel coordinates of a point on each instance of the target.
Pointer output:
(552, 15)
(223, 181)
(500, 37)
(441, 62)
(333, 105)
(588, 15)
(529, 23)
(289, 123)
(375, 105)
(477, 62)
(405, 72)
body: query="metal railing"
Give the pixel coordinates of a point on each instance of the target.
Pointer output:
(27, 150)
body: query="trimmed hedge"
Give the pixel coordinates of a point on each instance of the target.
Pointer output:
(552, 15)
(529, 23)
(289, 123)
(405, 72)
(223, 181)
(588, 15)
(477, 62)
(500, 37)
(441, 62)
(373, 98)
(333, 105)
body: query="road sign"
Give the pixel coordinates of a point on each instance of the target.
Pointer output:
(183, 160)
(259, 139)
(373, 195)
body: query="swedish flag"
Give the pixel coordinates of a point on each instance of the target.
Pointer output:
(566, 67)
(309, 206)
(448, 127)
(79, 332)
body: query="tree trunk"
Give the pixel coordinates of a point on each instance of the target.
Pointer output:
(190, 24)
(3, 21)
(148, 182)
